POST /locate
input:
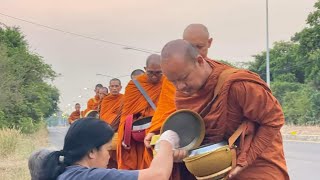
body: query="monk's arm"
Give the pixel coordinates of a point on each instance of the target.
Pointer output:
(262, 107)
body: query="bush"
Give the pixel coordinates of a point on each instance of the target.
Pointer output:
(301, 107)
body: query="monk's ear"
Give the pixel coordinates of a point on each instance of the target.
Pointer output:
(200, 59)
(145, 68)
(209, 42)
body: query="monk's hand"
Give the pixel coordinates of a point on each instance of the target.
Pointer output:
(235, 171)
(147, 140)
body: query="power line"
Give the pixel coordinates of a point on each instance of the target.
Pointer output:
(124, 46)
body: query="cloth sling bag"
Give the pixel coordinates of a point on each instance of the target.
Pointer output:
(129, 118)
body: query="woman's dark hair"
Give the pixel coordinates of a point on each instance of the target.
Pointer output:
(83, 135)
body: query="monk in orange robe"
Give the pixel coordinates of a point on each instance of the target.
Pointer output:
(111, 105)
(136, 104)
(110, 112)
(93, 103)
(198, 36)
(75, 115)
(103, 92)
(244, 97)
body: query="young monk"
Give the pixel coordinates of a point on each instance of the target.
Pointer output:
(93, 103)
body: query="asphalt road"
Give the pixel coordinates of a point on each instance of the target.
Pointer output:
(303, 158)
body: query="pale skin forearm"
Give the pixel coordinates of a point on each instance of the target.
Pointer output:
(161, 165)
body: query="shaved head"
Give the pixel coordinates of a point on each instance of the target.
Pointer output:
(136, 73)
(184, 66)
(153, 68)
(115, 86)
(199, 29)
(103, 92)
(198, 36)
(153, 59)
(77, 106)
(115, 79)
(179, 48)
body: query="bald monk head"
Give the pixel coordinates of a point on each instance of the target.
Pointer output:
(77, 107)
(136, 73)
(97, 88)
(198, 36)
(153, 69)
(183, 65)
(103, 92)
(115, 86)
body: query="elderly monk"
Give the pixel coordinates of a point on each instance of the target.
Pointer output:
(136, 73)
(110, 112)
(136, 104)
(111, 105)
(75, 114)
(93, 103)
(244, 96)
(198, 36)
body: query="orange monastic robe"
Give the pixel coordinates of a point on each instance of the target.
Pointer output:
(243, 97)
(111, 108)
(135, 103)
(92, 104)
(166, 106)
(74, 116)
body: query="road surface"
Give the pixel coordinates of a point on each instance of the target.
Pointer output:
(303, 158)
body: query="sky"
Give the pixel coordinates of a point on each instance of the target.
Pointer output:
(238, 29)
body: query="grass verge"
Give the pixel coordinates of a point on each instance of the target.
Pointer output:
(15, 149)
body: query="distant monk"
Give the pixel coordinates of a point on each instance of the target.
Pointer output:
(75, 115)
(243, 97)
(198, 36)
(103, 92)
(111, 105)
(136, 104)
(136, 73)
(93, 103)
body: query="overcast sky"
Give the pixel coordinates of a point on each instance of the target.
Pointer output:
(237, 28)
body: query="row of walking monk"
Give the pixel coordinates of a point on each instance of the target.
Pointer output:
(183, 77)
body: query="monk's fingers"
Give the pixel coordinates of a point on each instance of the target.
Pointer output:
(125, 146)
(147, 140)
(147, 143)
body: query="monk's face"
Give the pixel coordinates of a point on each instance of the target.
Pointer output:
(96, 90)
(154, 73)
(199, 41)
(102, 93)
(77, 107)
(186, 75)
(99, 158)
(115, 87)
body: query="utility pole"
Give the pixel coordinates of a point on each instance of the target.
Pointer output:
(267, 38)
